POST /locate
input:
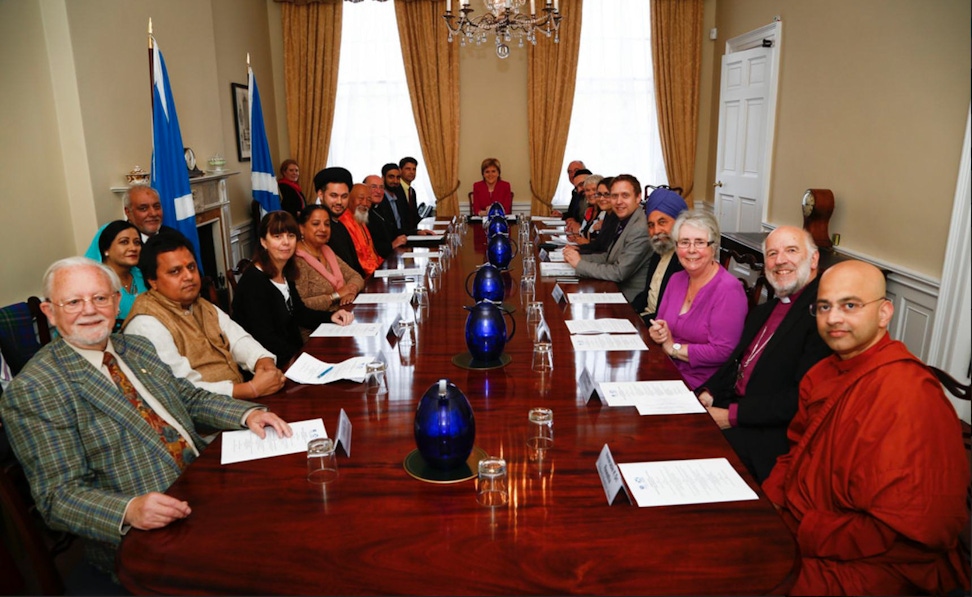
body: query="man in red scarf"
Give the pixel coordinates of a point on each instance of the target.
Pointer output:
(356, 221)
(874, 484)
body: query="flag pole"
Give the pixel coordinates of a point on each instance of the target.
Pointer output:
(151, 67)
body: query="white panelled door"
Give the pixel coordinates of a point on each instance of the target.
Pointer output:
(743, 115)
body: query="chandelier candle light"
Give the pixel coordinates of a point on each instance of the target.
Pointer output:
(505, 21)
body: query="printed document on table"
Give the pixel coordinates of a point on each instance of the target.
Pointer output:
(596, 298)
(399, 273)
(675, 482)
(421, 237)
(333, 330)
(671, 397)
(554, 270)
(240, 446)
(556, 256)
(548, 220)
(417, 254)
(601, 326)
(308, 370)
(608, 342)
(379, 298)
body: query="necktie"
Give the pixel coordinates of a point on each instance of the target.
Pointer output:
(172, 440)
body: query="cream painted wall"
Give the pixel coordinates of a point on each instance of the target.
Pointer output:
(872, 104)
(34, 210)
(493, 112)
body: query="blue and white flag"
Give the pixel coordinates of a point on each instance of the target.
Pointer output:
(170, 177)
(265, 191)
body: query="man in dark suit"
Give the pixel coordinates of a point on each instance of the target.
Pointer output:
(405, 222)
(334, 192)
(408, 166)
(754, 395)
(100, 423)
(578, 201)
(143, 209)
(662, 208)
(381, 222)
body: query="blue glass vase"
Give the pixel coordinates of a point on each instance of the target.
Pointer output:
(445, 427)
(486, 331)
(500, 251)
(497, 225)
(496, 209)
(487, 284)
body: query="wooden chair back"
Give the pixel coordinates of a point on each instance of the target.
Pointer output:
(960, 391)
(37, 571)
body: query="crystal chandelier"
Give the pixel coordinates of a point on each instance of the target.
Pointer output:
(504, 19)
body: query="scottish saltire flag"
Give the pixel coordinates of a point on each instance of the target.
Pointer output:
(264, 183)
(170, 177)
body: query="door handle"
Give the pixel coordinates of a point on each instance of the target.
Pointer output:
(718, 183)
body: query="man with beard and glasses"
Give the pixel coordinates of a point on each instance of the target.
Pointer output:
(381, 220)
(102, 426)
(662, 208)
(333, 191)
(356, 221)
(753, 396)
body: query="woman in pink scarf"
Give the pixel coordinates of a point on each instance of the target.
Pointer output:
(325, 281)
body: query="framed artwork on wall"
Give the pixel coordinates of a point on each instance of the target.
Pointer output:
(241, 114)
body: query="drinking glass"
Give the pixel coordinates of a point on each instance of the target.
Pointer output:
(492, 486)
(528, 289)
(321, 460)
(375, 378)
(542, 357)
(421, 297)
(541, 428)
(529, 266)
(534, 313)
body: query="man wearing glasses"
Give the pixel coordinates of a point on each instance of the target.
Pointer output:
(875, 481)
(100, 423)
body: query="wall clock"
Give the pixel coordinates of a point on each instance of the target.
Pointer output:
(818, 206)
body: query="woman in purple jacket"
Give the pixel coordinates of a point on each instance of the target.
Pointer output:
(701, 315)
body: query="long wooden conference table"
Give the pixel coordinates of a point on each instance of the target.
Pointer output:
(259, 527)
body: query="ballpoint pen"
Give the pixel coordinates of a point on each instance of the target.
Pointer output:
(325, 372)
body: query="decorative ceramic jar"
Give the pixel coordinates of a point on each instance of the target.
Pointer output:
(487, 284)
(500, 251)
(486, 331)
(445, 427)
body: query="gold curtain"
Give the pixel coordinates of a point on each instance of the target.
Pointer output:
(551, 74)
(312, 44)
(676, 57)
(432, 72)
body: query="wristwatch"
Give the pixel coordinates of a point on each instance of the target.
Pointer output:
(675, 348)
(335, 296)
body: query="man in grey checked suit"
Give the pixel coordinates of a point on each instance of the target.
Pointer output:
(626, 260)
(96, 467)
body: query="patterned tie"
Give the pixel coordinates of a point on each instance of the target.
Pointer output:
(172, 440)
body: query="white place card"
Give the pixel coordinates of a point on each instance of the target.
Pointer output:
(596, 298)
(399, 273)
(333, 330)
(380, 298)
(423, 237)
(344, 433)
(608, 342)
(244, 445)
(676, 482)
(557, 293)
(601, 326)
(671, 397)
(586, 385)
(610, 476)
(417, 254)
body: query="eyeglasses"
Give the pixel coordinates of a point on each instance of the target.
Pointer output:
(603, 195)
(100, 301)
(698, 243)
(845, 307)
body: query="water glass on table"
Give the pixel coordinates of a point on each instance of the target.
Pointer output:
(491, 487)
(541, 428)
(321, 461)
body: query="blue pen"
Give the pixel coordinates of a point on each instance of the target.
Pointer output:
(325, 372)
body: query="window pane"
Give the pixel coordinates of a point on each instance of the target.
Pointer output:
(614, 127)
(373, 121)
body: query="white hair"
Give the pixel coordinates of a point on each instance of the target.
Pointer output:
(76, 262)
(127, 197)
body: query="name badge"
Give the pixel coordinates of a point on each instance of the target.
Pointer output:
(611, 479)
(344, 432)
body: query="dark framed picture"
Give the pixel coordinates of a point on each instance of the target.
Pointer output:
(241, 114)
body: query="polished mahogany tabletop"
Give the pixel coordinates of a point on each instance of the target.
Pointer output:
(260, 528)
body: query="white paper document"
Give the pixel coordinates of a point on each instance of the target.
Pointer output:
(596, 298)
(379, 298)
(240, 446)
(556, 256)
(308, 370)
(608, 342)
(553, 270)
(399, 273)
(416, 254)
(549, 220)
(423, 237)
(601, 326)
(674, 482)
(670, 397)
(333, 330)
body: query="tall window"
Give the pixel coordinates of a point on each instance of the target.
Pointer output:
(614, 126)
(373, 121)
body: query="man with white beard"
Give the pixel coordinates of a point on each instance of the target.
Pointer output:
(356, 219)
(754, 394)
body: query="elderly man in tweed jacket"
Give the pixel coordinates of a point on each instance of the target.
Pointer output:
(100, 424)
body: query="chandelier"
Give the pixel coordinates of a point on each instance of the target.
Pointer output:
(504, 19)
